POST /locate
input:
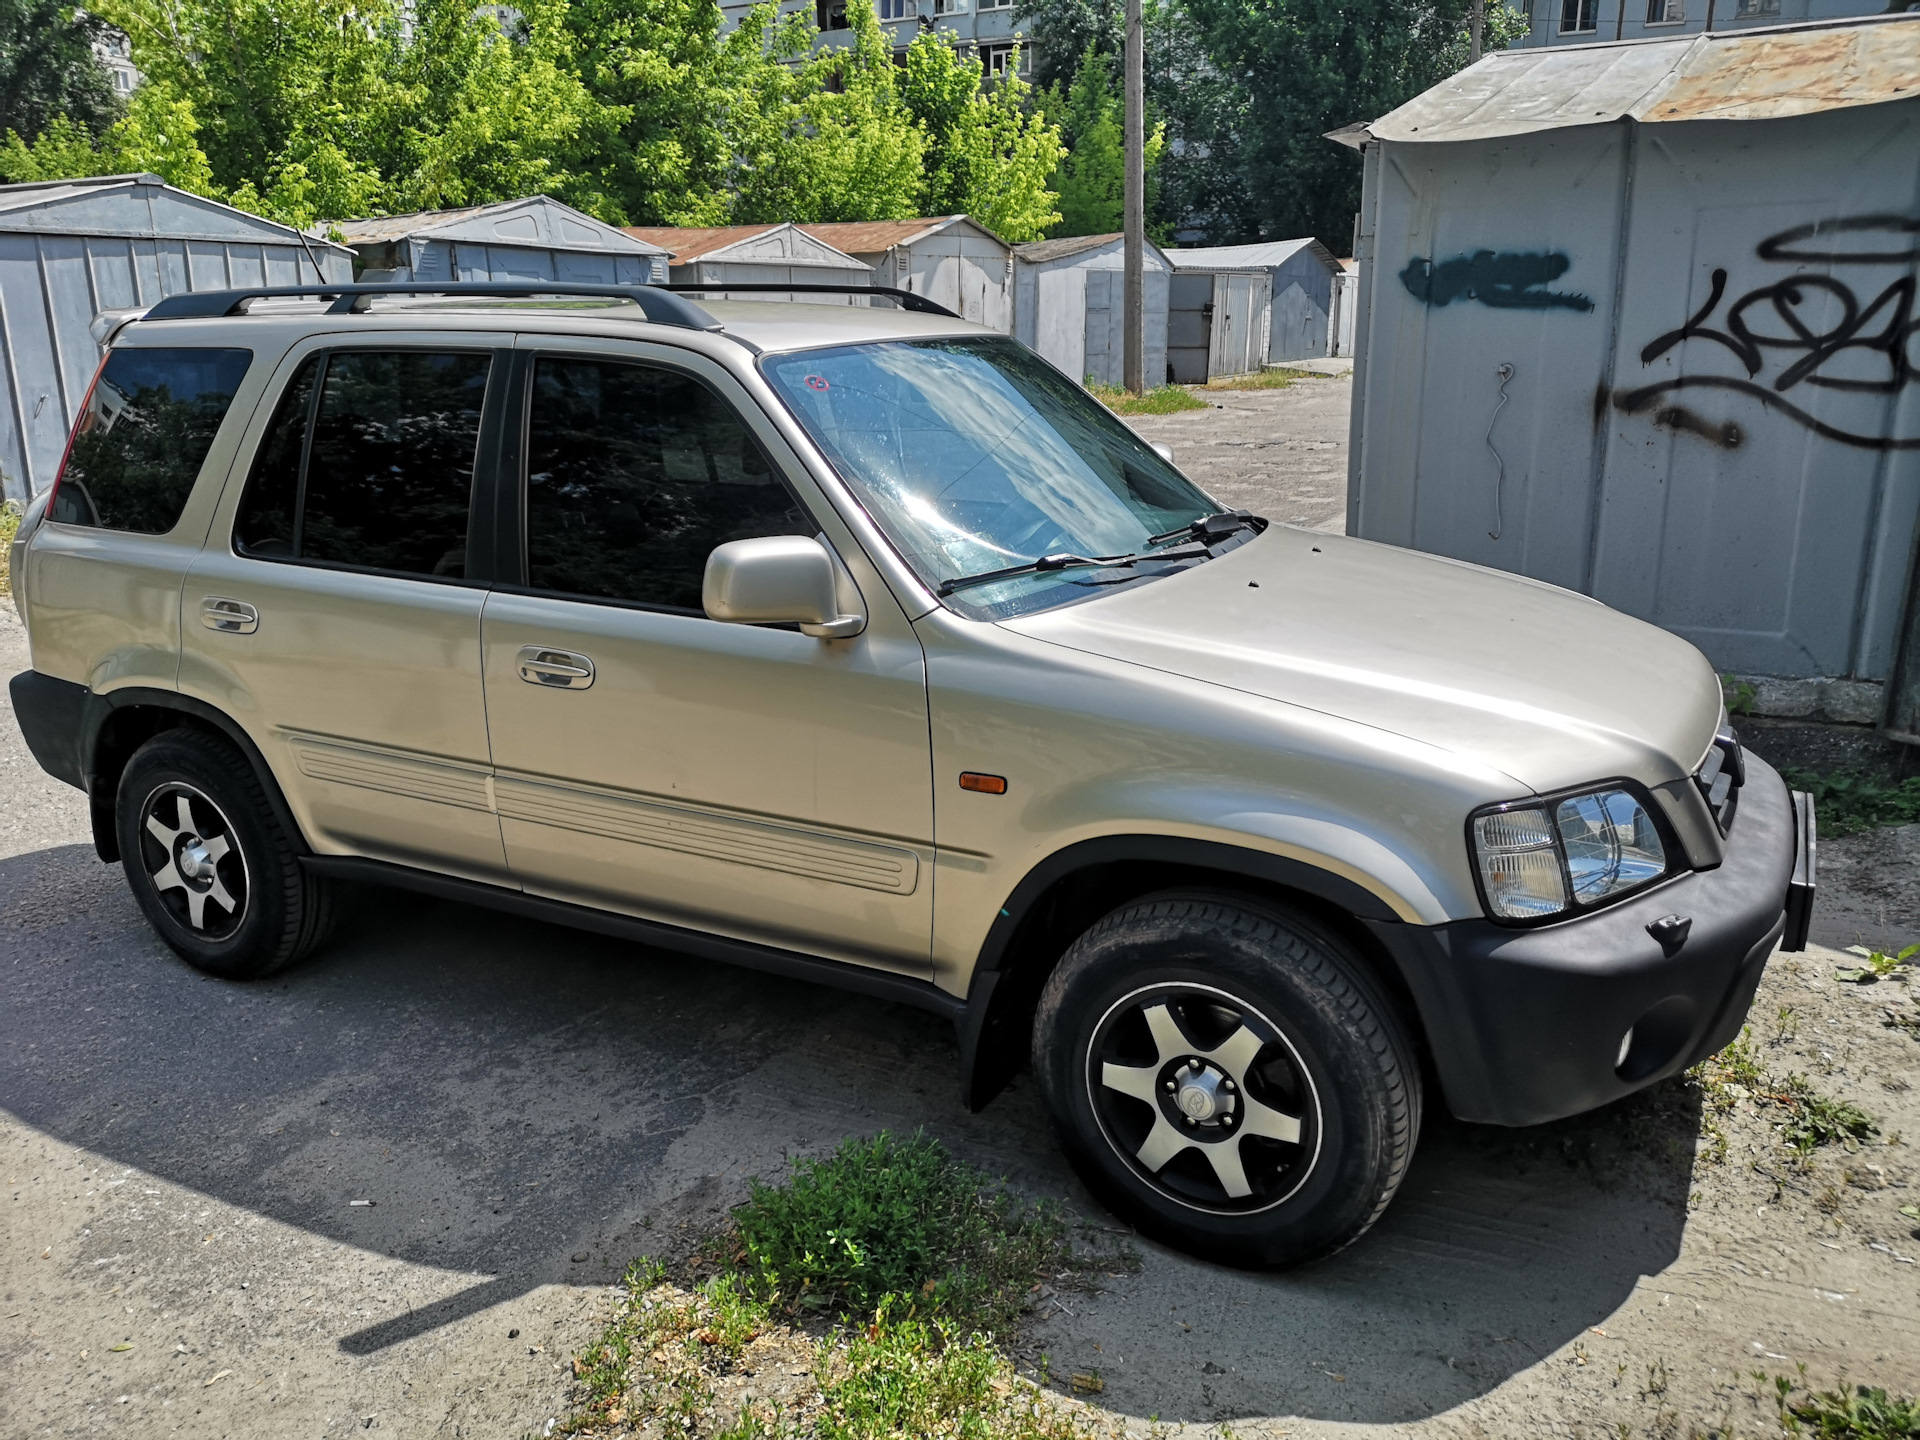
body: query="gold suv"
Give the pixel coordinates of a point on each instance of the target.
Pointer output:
(861, 645)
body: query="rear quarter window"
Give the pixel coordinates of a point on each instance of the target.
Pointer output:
(148, 424)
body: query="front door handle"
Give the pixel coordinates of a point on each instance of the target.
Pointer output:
(562, 669)
(229, 617)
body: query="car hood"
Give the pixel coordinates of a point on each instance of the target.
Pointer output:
(1545, 685)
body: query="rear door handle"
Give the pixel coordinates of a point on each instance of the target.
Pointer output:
(230, 617)
(561, 669)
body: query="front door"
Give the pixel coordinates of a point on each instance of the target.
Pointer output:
(747, 780)
(339, 623)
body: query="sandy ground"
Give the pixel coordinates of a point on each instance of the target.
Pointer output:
(527, 1110)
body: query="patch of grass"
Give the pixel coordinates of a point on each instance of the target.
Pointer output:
(10, 516)
(1273, 379)
(926, 1262)
(1162, 400)
(1864, 1413)
(1848, 802)
(1803, 1119)
(886, 1217)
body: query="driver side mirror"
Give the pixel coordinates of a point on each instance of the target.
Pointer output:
(777, 580)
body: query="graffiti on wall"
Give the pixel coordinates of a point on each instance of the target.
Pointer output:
(1814, 331)
(1511, 280)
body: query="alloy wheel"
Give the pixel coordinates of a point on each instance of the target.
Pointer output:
(1204, 1097)
(193, 861)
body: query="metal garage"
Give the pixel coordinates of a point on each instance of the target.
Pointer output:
(757, 255)
(1067, 305)
(1637, 319)
(952, 260)
(1216, 321)
(1303, 274)
(537, 238)
(72, 248)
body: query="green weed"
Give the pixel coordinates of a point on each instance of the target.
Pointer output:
(1879, 966)
(1804, 1119)
(1865, 1413)
(1739, 694)
(887, 1217)
(1162, 400)
(924, 1260)
(1848, 802)
(10, 516)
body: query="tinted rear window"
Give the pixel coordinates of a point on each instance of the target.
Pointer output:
(374, 471)
(144, 434)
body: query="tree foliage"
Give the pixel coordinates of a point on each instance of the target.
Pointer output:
(49, 69)
(1092, 178)
(633, 110)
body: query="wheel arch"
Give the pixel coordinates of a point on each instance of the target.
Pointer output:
(1072, 888)
(116, 724)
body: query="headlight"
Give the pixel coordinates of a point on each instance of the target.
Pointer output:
(1538, 860)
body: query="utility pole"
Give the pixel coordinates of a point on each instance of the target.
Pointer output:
(1480, 23)
(1134, 370)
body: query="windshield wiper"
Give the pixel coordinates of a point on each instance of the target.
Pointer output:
(1048, 563)
(1212, 529)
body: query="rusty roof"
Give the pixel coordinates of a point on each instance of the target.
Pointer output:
(870, 237)
(1748, 74)
(690, 242)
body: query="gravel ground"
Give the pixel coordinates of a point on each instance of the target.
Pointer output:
(1278, 453)
(527, 1110)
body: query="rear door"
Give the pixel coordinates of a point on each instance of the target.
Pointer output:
(333, 612)
(742, 779)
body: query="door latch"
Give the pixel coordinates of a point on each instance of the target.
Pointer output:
(230, 617)
(562, 669)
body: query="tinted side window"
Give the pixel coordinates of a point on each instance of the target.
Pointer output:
(634, 475)
(373, 471)
(144, 434)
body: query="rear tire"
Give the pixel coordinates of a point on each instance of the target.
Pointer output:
(1226, 1076)
(212, 869)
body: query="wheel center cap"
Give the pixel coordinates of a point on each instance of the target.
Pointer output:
(194, 861)
(1199, 1096)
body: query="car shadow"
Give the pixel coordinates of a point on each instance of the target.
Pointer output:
(540, 1106)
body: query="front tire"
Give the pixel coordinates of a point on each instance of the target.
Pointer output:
(1226, 1076)
(212, 869)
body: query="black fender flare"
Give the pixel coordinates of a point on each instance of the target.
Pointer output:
(101, 784)
(1002, 989)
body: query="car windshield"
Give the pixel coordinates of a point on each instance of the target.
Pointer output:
(976, 455)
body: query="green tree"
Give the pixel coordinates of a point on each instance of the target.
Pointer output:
(824, 135)
(1310, 66)
(49, 69)
(158, 135)
(990, 151)
(310, 108)
(1092, 178)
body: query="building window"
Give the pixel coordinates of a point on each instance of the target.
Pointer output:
(950, 7)
(1755, 9)
(830, 14)
(996, 60)
(996, 4)
(1578, 17)
(892, 9)
(1666, 12)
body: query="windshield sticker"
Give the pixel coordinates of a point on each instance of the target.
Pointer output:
(817, 382)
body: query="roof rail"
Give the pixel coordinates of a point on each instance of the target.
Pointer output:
(908, 300)
(655, 301)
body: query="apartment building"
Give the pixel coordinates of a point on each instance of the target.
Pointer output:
(983, 28)
(1583, 22)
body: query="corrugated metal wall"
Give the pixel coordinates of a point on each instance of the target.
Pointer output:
(51, 287)
(464, 260)
(1671, 366)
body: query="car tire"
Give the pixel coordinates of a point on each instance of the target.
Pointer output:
(1226, 1075)
(211, 867)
